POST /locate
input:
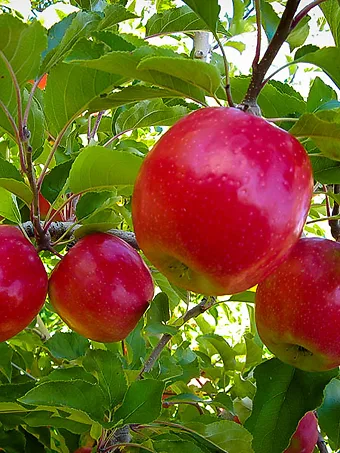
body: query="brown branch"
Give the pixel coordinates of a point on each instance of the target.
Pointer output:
(321, 444)
(303, 13)
(275, 44)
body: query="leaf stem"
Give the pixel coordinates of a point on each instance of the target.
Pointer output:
(92, 133)
(323, 219)
(29, 102)
(227, 77)
(108, 143)
(14, 365)
(17, 92)
(303, 13)
(259, 30)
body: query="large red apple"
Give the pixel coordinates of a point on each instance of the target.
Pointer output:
(220, 200)
(306, 435)
(101, 288)
(23, 282)
(297, 308)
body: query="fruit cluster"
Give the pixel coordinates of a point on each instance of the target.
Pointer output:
(218, 206)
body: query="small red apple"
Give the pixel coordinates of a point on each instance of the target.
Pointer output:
(297, 308)
(23, 282)
(306, 435)
(44, 207)
(83, 450)
(101, 288)
(220, 200)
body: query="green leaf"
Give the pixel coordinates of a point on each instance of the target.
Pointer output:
(82, 25)
(9, 393)
(108, 369)
(125, 64)
(6, 354)
(149, 113)
(323, 128)
(228, 435)
(299, 35)
(284, 394)
(270, 20)
(176, 446)
(95, 202)
(114, 41)
(12, 441)
(136, 346)
(254, 351)
(328, 59)
(329, 413)
(246, 296)
(208, 12)
(55, 180)
(71, 374)
(11, 180)
(113, 14)
(198, 73)
(9, 207)
(75, 395)
(70, 89)
(98, 168)
(325, 170)
(319, 94)
(142, 402)
(159, 310)
(176, 20)
(222, 347)
(331, 11)
(129, 95)
(22, 45)
(67, 345)
(46, 418)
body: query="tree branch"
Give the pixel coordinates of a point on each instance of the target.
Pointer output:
(321, 444)
(303, 13)
(275, 44)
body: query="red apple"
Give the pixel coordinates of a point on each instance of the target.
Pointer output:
(297, 308)
(44, 207)
(83, 450)
(306, 435)
(101, 288)
(23, 282)
(220, 200)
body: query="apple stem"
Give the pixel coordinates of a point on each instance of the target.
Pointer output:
(204, 305)
(321, 444)
(260, 69)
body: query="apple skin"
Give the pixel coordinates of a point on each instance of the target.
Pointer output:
(306, 435)
(44, 207)
(101, 288)
(297, 308)
(23, 282)
(220, 200)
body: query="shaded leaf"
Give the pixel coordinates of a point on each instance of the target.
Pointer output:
(325, 170)
(222, 347)
(97, 168)
(55, 180)
(284, 394)
(6, 354)
(142, 402)
(149, 113)
(108, 369)
(78, 395)
(67, 345)
(329, 412)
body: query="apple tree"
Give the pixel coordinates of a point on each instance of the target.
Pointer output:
(170, 226)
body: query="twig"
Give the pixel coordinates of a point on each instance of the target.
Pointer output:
(108, 143)
(300, 15)
(96, 126)
(29, 102)
(321, 444)
(226, 69)
(279, 120)
(323, 219)
(275, 44)
(258, 40)
(167, 404)
(24, 371)
(200, 308)
(17, 91)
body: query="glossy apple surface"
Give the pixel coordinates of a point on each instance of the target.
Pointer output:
(220, 200)
(23, 282)
(101, 288)
(44, 207)
(306, 435)
(297, 308)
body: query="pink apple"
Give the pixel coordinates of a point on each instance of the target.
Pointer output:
(306, 435)
(23, 282)
(220, 200)
(101, 288)
(298, 306)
